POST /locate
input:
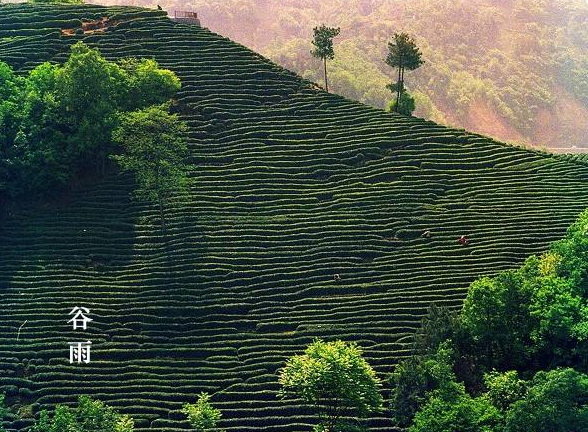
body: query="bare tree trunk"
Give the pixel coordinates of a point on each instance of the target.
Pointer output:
(401, 88)
(397, 108)
(325, 73)
(326, 81)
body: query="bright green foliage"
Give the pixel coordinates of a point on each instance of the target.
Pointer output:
(407, 104)
(403, 54)
(504, 388)
(557, 401)
(155, 144)
(557, 310)
(89, 416)
(323, 46)
(452, 409)
(496, 315)
(537, 313)
(202, 415)
(89, 91)
(44, 424)
(147, 84)
(335, 379)
(554, 401)
(414, 378)
(11, 88)
(57, 123)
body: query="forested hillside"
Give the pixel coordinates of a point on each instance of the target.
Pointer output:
(513, 69)
(305, 218)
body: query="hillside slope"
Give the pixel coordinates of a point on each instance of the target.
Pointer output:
(292, 185)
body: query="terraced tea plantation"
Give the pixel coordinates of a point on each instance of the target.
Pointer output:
(291, 186)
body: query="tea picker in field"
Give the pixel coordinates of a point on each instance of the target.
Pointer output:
(463, 240)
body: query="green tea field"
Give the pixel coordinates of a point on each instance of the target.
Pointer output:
(291, 186)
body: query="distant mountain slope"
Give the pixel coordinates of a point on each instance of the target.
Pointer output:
(513, 69)
(292, 185)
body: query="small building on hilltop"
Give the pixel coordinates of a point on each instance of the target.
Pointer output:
(187, 17)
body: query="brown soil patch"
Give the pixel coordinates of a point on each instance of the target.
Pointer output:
(486, 120)
(91, 27)
(565, 126)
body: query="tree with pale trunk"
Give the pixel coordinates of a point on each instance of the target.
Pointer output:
(323, 46)
(403, 54)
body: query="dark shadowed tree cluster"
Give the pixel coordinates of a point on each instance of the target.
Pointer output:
(513, 360)
(56, 124)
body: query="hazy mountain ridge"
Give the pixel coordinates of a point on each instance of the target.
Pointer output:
(514, 69)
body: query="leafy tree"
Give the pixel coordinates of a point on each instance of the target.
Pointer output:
(202, 415)
(89, 416)
(11, 92)
(415, 378)
(437, 326)
(147, 84)
(504, 388)
(452, 409)
(558, 311)
(58, 121)
(403, 54)
(336, 380)
(557, 401)
(89, 88)
(323, 46)
(155, 144)
(496, 314)
(407, 104)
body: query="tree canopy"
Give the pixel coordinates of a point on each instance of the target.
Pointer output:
(155, 149)
(403, 54)
(57, 122)
(90, 415)
(323, 42)
(202, 415)
(335, 379)
(323, 46)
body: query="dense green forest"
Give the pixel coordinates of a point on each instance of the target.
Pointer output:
(513, 69)
(57, 123)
